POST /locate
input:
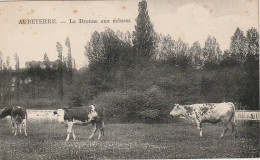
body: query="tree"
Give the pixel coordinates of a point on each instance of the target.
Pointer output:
(7, 62)
(7, 80)
(195, 52)
(250, 90)
(181, 48)
(252, 40)
(69, 63)
(211, 52)
(238, 46)
(60, 70)
(1, 75)
(17, 80)
(1, 61)
(226, 54)
(228, 60)
(144, 35)
(181, 56)
(110, 57)
(164, 47)
(46, 61)
(94, 48)
(108, 50)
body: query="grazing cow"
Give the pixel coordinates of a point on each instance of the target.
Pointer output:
(208, 112)
(82, 116)
(18, 118)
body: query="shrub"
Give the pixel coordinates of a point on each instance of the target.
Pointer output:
(134, 106)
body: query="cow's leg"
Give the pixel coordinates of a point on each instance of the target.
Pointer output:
(224, 131)
(20, 128)
(24, 127)
(234, 129)
(93, 131)
(234, 125)
(225, 123)
(73, 135)
(199, 127)
(13, 124)
(15, 129)
(69, 129)
(101, 130)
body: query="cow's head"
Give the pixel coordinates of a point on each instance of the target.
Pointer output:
(60, 114)
(177, 110)
(5, 112)
(92, 113)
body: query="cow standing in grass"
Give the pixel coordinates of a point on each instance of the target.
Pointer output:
(18, 118)
(82, 116)
(208, 112)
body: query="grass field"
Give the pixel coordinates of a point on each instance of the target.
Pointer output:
(129, 141)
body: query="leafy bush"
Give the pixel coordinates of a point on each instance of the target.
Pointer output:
(134, 106)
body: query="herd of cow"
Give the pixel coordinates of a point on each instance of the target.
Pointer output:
(197, 113)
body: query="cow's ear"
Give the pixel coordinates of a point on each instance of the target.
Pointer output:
(55, 112)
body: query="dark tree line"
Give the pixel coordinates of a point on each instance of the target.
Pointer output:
(205, 73)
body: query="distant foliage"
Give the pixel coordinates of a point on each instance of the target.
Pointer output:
(46, 60)
(211, 53)
(252, 40)
(60, 69)
(196, 54)
(238, 46)
(110, 59)
(164, 47)
(94, 49)
(69, 62)
(17, 76)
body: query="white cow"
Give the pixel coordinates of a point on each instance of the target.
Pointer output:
(208, 112)
(18, 118)
(82, 116)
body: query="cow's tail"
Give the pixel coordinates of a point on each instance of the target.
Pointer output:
(103, 123)
(26, 115)
(233, 121)
(232, 118)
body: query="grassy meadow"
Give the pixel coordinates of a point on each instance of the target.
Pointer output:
(46, 140)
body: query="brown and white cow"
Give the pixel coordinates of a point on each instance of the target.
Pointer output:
(208, 112)
(18, 118)
(82, 116)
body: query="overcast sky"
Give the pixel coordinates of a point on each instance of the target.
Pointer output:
(190, 20)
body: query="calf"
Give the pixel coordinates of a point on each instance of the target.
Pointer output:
(208, 112)
(18, 118)
(82, 116)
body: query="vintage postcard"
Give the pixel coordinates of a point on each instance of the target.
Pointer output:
(129, 79)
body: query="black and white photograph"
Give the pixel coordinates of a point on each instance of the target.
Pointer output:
(129, 79)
